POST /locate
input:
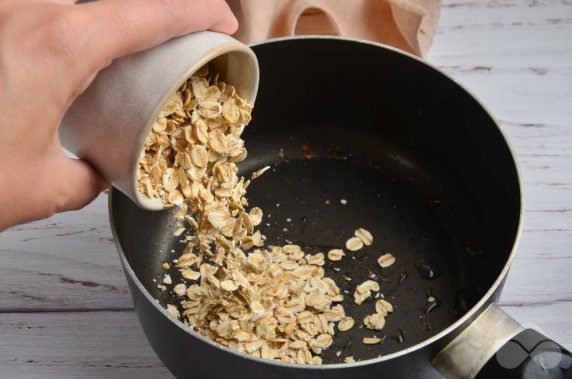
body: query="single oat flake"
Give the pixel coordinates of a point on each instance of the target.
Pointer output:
(383, 306)
(371, 340)
(363, 291)
(345, 324)
(386, 260)
(375, 321)
(335, 255)
(364, 235)
(354, 244)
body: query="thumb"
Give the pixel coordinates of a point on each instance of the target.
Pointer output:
(81, 184)
(227, 22)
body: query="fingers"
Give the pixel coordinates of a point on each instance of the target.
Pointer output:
(19, 2)
(78, 183)
(84, 38)
(123, 27)
(60, 184)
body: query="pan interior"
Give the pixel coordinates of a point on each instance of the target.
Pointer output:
(359, 143)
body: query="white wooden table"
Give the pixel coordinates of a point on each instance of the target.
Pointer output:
(64, 307)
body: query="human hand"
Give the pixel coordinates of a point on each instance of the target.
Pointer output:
(50, 51)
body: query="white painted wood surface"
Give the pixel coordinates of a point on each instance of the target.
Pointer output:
(64, 307)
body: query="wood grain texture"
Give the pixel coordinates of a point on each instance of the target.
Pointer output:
(64, 307)
(68, 262)
(76, 345)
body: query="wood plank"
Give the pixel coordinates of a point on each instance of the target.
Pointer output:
(539, 281)
(67, 262)
(76, 345)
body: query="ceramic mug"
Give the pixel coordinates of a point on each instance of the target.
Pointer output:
(108, 123)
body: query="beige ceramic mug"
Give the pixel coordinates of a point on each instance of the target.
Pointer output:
(107, 124)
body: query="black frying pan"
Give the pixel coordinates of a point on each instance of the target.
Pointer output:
(420, 164)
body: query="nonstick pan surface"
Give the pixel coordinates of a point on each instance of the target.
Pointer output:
(373, 141)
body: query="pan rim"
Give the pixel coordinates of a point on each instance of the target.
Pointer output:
(443, 333)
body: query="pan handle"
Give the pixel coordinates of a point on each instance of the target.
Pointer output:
(494, 345)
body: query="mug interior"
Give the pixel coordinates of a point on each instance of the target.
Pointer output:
(236, 65)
